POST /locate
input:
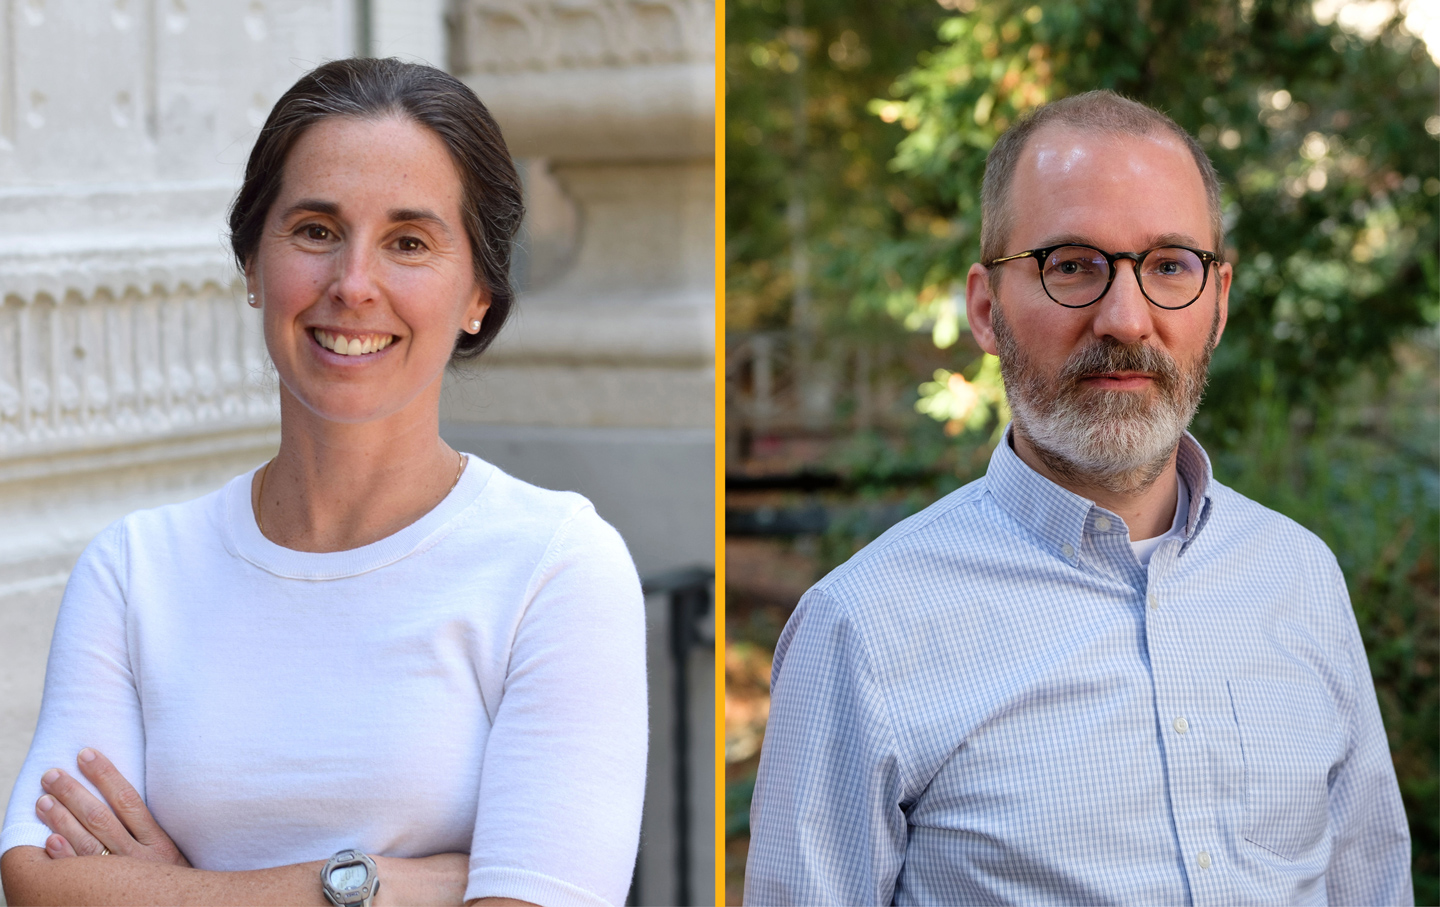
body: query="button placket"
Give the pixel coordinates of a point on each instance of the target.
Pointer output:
(1180, 713)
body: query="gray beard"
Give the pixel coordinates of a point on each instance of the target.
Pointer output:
(1115, 440)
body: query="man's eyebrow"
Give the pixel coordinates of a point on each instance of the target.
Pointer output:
(1161, 239)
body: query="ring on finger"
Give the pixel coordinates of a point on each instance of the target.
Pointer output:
(104, 851)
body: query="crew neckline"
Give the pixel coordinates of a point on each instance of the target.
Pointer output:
(244, 539)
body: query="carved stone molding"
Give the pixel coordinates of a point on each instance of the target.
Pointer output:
(501, 36)
(126, 365)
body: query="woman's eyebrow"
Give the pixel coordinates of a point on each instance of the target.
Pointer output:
(313, 206)
(400, 215)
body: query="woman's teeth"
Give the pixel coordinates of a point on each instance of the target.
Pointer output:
(358, 345)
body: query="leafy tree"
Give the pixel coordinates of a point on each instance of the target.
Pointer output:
(1325, 143)
(799, 77)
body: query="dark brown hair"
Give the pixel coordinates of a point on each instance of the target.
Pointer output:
(373, 89)
(1093, 111)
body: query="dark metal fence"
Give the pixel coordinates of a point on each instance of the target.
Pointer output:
(689, 596)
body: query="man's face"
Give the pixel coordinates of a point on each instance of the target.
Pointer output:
(1102, 392)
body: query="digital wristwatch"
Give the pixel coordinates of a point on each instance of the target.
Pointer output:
(349, 879)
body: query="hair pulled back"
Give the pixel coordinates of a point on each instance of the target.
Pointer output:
(365, 88)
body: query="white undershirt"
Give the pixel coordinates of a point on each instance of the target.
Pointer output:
(473, 683)
(1146, 547)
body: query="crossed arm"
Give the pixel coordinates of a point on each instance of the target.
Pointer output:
(145, 867)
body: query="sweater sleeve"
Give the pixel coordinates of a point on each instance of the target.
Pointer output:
(90, 697)
(563, 778)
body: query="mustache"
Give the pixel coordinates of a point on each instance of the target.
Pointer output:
(1110, 355)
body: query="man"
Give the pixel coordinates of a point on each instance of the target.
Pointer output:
(1095, 675)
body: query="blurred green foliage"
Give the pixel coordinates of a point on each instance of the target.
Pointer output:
(862, 130)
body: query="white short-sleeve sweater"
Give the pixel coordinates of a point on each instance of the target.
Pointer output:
(472, 683)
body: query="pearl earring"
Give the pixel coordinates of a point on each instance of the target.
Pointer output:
(253, 303)
(475, 325)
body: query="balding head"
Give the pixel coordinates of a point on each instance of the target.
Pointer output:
(1093, 111)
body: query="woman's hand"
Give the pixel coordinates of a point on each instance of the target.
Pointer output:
(84, 826)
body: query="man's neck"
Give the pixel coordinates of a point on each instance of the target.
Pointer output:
(1148, 511)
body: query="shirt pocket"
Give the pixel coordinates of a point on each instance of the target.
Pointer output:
(1291, 738)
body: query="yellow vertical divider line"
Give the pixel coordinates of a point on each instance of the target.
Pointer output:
(719, 453)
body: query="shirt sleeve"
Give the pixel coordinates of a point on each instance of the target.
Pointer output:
(826, 821)
(563, 778)
(90, 698)
(1370, 860)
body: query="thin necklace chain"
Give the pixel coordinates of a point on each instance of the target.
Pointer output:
(265, 471)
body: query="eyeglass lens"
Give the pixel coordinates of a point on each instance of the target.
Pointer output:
(1078, 275)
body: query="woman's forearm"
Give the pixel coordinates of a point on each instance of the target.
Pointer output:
(32, 877)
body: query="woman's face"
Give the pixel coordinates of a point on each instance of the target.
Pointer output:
(364, 270)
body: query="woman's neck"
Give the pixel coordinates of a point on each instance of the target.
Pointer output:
(336, 486)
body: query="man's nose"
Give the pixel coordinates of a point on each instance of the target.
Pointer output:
(1124, 313)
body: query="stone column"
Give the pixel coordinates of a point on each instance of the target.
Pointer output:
(604, 381)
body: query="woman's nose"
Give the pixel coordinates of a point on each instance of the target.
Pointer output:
(355, 276)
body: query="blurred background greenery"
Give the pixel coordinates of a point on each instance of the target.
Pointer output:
(856, 138)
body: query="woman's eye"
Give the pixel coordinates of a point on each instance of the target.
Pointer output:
(409, 244)
(316, 232)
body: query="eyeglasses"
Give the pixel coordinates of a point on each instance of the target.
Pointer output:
(1076, 276)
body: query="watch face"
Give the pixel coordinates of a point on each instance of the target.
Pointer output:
(351, 875)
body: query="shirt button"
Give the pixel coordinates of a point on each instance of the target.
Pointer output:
(1181, 726)
(1204, 859)
(1103, 524)
(1154, 602)
(1067, 550)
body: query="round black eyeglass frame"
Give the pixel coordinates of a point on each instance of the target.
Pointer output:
(1206, 259)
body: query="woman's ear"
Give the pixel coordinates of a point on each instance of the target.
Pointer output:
(475, 311)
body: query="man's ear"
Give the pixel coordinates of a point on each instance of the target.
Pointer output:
(1223, 275)
(979, 304)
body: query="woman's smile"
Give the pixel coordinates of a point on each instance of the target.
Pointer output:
(351, 344)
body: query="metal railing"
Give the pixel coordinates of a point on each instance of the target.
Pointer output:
(689, 595)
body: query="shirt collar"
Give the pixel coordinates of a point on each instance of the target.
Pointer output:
(1058, 516)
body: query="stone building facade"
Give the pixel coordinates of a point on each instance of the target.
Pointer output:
(133, 375)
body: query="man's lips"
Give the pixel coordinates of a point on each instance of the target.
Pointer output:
(1119, 380)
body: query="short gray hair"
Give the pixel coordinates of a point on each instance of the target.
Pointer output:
(1094, 111)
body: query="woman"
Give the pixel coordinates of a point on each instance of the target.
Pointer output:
(373, 642)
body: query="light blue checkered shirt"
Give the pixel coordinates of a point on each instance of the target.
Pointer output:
(995, 703)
